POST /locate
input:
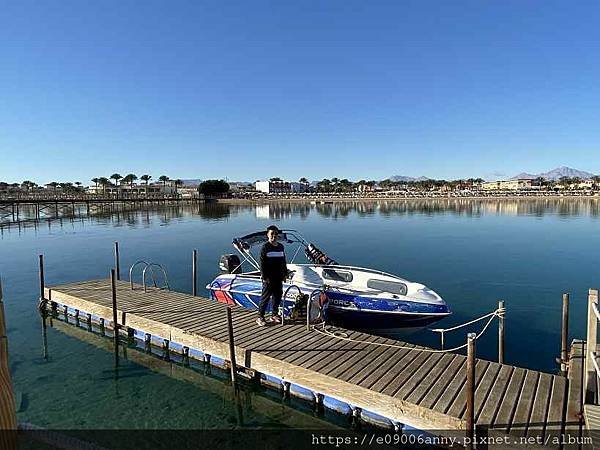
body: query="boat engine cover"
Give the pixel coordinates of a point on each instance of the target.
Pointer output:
(230, 264)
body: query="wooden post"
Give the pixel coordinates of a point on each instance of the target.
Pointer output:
(470, 413)
(231, 347)
(194, 273)
(114, 311)
(8, 414)
(117, 262)
(564, 336)
(592, 328)
(42, 282)
(501, 333)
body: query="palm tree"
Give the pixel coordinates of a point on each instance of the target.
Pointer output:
(116, 177)
(146, 178)
(565, 181)
(66, 187)
(95, 181)
(303, 180)
(324, 185)
(178, 182)
(130, 178)
(164, 180)
(103, 181)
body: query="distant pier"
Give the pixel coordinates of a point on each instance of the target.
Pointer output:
(18, 210)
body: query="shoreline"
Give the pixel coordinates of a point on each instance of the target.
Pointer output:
(334, 199)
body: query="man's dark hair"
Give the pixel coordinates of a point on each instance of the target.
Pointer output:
(272, 228)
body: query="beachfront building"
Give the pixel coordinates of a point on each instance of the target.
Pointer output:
(239, 187)
(366, 187)
(584, 184)
(134, 190)
(509, 185)
(281, 187)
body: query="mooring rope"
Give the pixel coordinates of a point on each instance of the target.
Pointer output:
(498, 312)
(343, 336)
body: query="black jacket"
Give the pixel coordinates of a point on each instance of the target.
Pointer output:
(272, 262)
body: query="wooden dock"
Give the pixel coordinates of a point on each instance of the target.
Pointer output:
(410, 385)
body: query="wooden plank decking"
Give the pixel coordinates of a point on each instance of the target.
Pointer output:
(419, 388)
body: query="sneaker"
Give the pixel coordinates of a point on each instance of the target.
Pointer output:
(275, 319)
(261, 321)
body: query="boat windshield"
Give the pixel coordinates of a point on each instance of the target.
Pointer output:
(245, 244)
(260, 237)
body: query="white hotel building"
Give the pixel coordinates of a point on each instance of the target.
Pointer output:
(281, 187)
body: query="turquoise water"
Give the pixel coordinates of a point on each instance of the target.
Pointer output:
(472, 252)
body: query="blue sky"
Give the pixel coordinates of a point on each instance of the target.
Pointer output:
(249, 90)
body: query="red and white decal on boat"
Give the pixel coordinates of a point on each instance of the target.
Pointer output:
(224, 297)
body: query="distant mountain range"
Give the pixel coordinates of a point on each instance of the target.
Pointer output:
(405, 178)
(555, 174)
(195, 182)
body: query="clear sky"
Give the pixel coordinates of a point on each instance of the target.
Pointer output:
(254, 89)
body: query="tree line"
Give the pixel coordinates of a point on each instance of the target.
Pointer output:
(130, 179)
(207, 187)
(345, 185)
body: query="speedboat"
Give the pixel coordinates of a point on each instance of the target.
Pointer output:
(355, 297)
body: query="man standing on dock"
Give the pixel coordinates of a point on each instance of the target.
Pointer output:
(273, 270)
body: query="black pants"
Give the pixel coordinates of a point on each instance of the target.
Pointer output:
(270, 289)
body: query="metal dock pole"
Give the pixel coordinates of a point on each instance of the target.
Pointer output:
(564, 336)
(42, 282)
(43, 307)
(470, 413)
(501, 333)
(113, 286)
(231, 347)
(117, 262)
(194, 273)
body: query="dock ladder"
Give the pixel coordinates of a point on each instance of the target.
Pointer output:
(150, 266)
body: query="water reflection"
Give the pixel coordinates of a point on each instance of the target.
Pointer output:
(143, 217)
(430, 207)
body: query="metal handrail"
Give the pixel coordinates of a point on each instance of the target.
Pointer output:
(283, 298)
(309, 302)
(141, 261)
(166, 279)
